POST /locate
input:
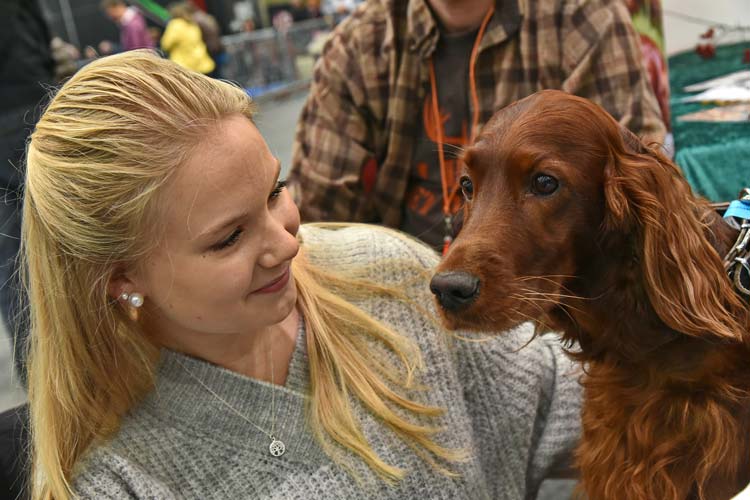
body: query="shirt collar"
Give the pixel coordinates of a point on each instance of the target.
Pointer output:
(423, 29)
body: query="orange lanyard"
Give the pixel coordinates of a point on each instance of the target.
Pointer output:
(448, 195)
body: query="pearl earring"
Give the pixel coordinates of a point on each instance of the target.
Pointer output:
(135, 299)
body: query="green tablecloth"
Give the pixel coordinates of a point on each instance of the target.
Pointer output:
(715, 157)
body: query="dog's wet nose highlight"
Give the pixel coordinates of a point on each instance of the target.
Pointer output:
(455, 289)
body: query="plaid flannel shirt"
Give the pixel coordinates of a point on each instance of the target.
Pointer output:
(355, 138)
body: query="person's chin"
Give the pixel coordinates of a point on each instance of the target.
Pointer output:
(290, 292)
(287, 298)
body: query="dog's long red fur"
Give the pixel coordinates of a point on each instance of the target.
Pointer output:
(625, 261)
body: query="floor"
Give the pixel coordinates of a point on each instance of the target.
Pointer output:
(10, 390)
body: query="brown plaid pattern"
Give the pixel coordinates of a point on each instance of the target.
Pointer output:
(354, 142)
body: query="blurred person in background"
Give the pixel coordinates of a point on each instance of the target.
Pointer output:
(302, 10)
(156, 34)
(132, 24)
(27, 71)
(244, 17)
(211, 32)
(404, 85)
(183, 40)
(313, 7)
(66, 57)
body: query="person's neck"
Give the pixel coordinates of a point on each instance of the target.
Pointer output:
(248, 353)
(459, 16)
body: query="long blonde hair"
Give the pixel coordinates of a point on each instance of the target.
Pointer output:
(109, 140)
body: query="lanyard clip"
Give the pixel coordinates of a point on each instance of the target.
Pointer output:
(448, 226)
(448, 238)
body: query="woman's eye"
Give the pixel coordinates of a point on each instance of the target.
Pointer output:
(228, 242)
(543, 184)
(467, 187)
(235, 236)
(278, 189)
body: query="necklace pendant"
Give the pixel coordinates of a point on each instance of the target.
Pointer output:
(276, 448)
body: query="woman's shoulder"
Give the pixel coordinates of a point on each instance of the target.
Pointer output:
(343, 245)
(380, 257)
(105, 473)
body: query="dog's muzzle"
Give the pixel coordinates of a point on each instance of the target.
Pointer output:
(455, 289)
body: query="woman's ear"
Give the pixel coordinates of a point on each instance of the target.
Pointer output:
(683, 274)
(122, 284)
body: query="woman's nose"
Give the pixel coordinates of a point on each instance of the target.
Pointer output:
(280, 244)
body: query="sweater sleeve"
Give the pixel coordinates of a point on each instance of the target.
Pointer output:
(523, 394)
(105, 475)
(334, 161)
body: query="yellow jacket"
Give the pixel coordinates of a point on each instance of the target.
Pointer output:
(184, 43)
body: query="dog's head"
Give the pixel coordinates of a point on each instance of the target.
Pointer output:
(564, 206)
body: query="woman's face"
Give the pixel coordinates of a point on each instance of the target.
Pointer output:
(222, 264)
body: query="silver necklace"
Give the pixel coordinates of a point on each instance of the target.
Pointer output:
(277, 447)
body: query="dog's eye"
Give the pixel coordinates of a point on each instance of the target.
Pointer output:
(544, 184)
(467, 187)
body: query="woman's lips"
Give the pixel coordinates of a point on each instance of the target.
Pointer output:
(275, 285)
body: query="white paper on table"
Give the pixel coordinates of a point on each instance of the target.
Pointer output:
(730, 113)
(721, 94)
(736, 79)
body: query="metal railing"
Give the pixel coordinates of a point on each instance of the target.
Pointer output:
(269, 60)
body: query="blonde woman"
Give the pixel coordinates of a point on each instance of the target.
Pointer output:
(190, 340)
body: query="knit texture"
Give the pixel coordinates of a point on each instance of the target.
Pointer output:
(514, 407)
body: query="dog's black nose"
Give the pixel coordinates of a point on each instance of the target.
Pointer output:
(455, 290)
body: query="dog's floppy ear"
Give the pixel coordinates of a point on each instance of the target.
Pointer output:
(647, 196)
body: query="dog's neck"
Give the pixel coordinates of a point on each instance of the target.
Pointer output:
(653, 391)
(614, 318)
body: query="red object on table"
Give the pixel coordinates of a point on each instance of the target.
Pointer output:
(746, 56)
(706, 50)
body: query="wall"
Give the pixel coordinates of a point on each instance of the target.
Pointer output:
(682, 34)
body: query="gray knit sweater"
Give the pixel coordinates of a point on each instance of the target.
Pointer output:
(515, 409)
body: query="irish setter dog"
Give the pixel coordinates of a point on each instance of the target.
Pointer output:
(572, 222)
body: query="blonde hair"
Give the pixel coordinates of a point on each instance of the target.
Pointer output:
(109, 140)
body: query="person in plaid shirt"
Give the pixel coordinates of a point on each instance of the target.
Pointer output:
(402, 85)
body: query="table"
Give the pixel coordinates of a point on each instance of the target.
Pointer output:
(715, 157)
